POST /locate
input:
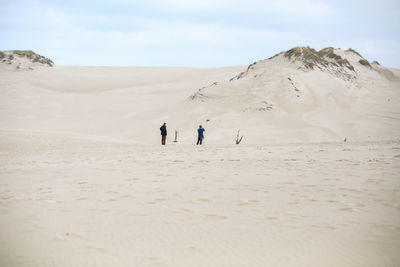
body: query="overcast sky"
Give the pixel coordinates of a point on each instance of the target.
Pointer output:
(196, 33)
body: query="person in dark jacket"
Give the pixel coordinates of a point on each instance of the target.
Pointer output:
(200, 135)
(163, 130)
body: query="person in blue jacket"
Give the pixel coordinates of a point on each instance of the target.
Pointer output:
(200, 132)
(163, 130)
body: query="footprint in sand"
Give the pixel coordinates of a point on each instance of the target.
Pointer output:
(387, 227)
(126, 196)
(246, 202)
(108, 200)
(310, 185)
(160, 199)
(352, 207)
(214, 216)
(186, 210)
(198, 177)
(333, 201)
(69, 235)
(44, 190)
(348, 209)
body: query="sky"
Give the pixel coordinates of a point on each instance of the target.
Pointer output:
(196, 33)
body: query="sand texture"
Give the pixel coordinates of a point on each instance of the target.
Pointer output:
(84, 180)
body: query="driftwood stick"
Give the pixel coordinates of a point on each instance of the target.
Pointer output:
(238, 140)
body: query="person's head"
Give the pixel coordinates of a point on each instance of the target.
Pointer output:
(164, 124)
(200, 126)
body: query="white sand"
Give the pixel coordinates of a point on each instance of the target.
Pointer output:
(84, 181)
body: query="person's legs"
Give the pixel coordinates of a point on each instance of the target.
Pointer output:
(201, 140)
(198, 140)
(163, 139)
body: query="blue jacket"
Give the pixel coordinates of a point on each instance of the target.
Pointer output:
(163, 130)
(201, 131)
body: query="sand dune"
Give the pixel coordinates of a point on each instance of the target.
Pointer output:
(279, 100)
(118, 103)
(84, 181)
(308, 97)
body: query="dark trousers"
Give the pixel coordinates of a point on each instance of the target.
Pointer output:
(163, 138)
(200, 140)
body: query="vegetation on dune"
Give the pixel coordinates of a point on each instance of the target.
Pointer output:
(312, 58)
(295, 52)
(364, 62)
(25, 53)
(330, 53)
(251, 66)
(33, 56)
(376, 62)
(354, 51)
(2, 55)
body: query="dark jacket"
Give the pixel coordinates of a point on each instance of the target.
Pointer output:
(163, 130)
(201, 131)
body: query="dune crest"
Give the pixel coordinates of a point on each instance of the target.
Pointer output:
(299, 95)
(23, 60)
(318, 95)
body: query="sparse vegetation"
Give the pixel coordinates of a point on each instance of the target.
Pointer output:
(354, 51)
(312, 58)
(330, 53)
(251, 66)
(25, 53)
(2, 55)
(364, 62)
(294, 52)
(308, 55)
(376, 62)
(346, 63)
(33, 56)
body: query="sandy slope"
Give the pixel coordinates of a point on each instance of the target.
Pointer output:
(84, 181)
(280, 100)
(272, 101)
(119, 103)
(72, 202)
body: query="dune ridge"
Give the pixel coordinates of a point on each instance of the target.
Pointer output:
(301, 95)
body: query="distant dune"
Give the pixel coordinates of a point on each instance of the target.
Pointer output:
(295, 96)
(301, 95)
(305, 95)
(23, 59)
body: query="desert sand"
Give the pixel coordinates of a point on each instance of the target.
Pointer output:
(84, 180)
